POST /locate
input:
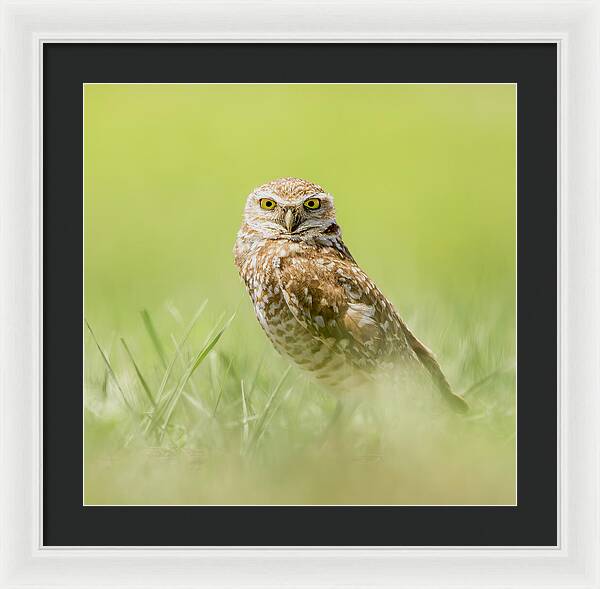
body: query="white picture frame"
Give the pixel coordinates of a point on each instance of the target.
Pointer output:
(573, 25)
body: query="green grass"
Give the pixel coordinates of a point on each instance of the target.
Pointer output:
(186, 403)
(224, 423)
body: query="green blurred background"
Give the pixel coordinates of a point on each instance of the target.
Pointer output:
(424, 182)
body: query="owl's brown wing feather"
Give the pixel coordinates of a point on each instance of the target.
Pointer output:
(428, 360)
(339, 305)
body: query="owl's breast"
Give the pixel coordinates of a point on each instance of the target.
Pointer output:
(259, 270)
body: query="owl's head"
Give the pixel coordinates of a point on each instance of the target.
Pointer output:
(290, 208)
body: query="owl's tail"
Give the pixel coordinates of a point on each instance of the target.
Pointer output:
(428, 360)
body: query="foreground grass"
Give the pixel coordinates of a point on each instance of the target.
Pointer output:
(202, 413)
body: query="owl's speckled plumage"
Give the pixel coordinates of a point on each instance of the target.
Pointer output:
(313, 301)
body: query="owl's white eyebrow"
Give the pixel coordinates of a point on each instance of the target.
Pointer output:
(265, 195)
(320, 195)
(274, 197)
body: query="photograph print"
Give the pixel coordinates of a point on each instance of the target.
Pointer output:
(299, 294)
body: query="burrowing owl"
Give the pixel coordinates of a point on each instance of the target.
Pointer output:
(312, 299)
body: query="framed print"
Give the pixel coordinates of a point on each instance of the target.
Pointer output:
(319, 296)
(318, 419)
(326, 408)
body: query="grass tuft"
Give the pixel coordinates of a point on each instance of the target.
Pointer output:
(143, 382)
(251, 430)
(149, 325)
(109, 368)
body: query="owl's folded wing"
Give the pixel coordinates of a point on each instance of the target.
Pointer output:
(339, 305)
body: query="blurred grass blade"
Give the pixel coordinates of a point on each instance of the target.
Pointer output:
(139, 373)
(245, 426)
(196, 404)
(171, 402)
(259, 430)
(109, 367)
(165, 409)
(235, 375)
(221, 387)
(174, 311)
(149, 325)
(193, 388)
(105, 377)
(257, 371)
(476, 385)
(169, 368)
(274, 410)
(255, 379)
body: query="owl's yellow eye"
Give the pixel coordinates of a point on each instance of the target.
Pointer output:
(267, 204)
(312, 203)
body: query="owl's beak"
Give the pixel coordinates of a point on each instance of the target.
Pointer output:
(289, 220)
